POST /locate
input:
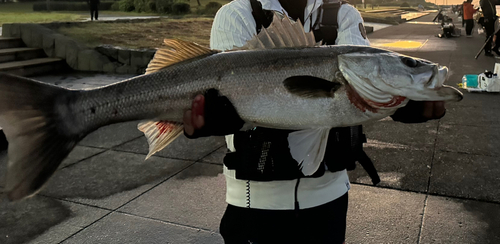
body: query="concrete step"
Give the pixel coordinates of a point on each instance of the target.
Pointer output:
(33, 66)
(20, 54)
(10, 42)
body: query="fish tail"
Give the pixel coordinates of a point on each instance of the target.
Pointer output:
(32, 124)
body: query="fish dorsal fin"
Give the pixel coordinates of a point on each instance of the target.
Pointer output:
(282, 33)
(160, 134)
(175, 52)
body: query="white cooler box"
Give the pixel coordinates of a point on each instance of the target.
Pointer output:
(489, 84)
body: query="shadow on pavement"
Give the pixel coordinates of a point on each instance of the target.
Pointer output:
(22, 221)
(488, 215)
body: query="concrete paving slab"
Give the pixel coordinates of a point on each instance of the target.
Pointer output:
(79, 153)
(472, 116)
(217, 157)
(121, 228)
(81, 217)
(111, 179)
(181, 148)
(379, 215)
(43, 220)
(466, 175)
(112, 135)
(476, 100)
(450, 220)
(195, 197)
(75, 156)
(469, 139)
(404, 169)
(418, 136)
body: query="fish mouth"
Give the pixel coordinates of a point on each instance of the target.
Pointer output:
(436, 83)
(438, 77)
(452, 93)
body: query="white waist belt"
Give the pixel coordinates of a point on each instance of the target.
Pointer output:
(311, 192)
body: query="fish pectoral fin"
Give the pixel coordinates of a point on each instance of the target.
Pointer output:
(175, 52)
(308, 148)
(310, 86)
(160, 134)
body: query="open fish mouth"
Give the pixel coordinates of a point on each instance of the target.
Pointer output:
(437, 78)
(442, 75)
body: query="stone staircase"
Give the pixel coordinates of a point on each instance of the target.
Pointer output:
(16, 58)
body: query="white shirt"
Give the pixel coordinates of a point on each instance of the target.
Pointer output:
(233, 26)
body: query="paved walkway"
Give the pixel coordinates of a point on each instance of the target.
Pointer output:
(440, 180)
(113, 18)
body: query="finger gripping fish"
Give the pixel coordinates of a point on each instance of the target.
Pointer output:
(295, 88)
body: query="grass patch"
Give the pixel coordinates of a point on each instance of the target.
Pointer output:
(37, 17)
(148, 34)
(16, 7)
(195, 6)
(23, 13)
(119, 13)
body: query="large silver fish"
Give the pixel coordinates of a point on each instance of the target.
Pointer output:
(288, 88)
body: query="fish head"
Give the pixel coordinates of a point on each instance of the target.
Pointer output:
(376, 75)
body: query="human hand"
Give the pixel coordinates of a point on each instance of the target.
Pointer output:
(194, 119)
(433, 109)
(211, 114)
(420, 111)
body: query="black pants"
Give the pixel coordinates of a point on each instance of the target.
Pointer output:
(94, 12)
(469, 24)
(489, 26)
(322, 224)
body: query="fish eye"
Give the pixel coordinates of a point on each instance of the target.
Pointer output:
(410, 62)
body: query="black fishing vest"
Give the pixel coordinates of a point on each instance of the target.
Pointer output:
(263, 154)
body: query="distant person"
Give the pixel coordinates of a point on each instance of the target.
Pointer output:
(94, 9)
(469, 10)
(490, 16)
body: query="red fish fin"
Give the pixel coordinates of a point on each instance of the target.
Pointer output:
(160, 134)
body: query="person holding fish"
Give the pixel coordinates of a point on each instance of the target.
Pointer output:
(291, 110)
(271, 199)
